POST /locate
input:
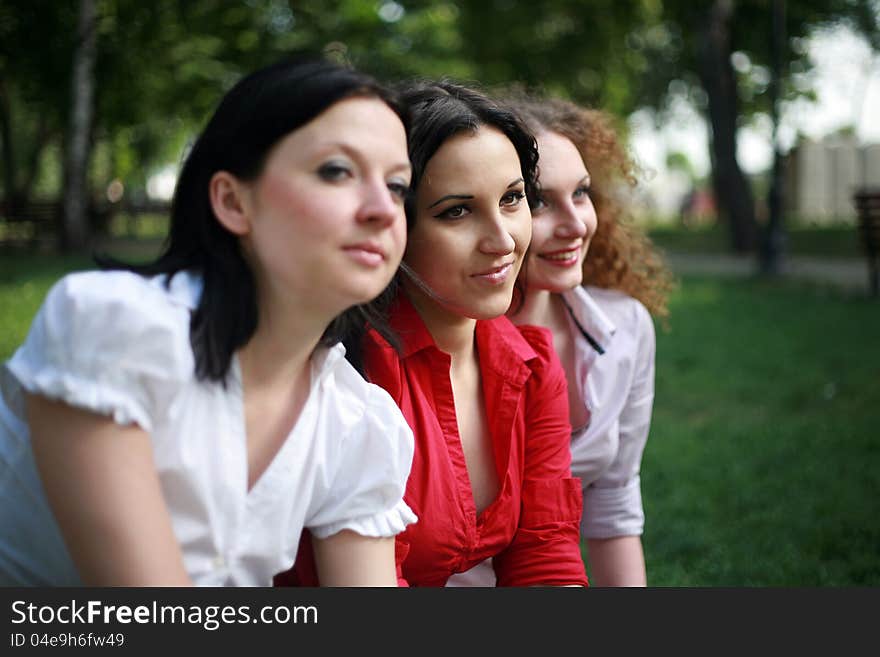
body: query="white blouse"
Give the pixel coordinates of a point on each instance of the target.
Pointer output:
(617, 388)
(117, 344)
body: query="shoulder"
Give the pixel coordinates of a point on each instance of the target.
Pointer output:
(539, 355)
(114, 317)
(114, 343)
(516, 353)
(540, 339)
(627, 313)
(360, 406)
(525, 340)
(120, 292)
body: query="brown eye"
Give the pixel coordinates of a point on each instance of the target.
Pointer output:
(455, 212)
(512, 198)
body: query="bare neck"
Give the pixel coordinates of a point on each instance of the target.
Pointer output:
(453, 333)
(283, 342)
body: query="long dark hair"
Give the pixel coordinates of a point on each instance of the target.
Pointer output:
(439, 110)
(260, 110)
(442, 109)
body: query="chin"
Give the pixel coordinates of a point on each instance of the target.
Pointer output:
(559, 284)
(490, 311)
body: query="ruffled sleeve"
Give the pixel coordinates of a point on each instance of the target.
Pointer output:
(367, 492)
(113, 343)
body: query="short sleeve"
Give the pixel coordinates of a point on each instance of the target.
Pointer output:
(367, 491)
(108, 342)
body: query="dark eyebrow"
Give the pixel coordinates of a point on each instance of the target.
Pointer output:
(457, 197)
(515, 182)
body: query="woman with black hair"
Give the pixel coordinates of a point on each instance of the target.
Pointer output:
(486, 400)
(182, 422)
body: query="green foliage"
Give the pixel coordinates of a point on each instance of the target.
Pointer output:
(162, 66)
(674, 57)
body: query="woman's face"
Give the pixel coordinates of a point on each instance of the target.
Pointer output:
(472, 227)
(326, 214)
(564, 220)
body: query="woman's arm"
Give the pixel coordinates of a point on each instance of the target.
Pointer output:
(103, 488)
(545, 550)
(617, 561)
(614, 515)
(349, 559)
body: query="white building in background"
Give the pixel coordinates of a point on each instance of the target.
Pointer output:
(822, 176)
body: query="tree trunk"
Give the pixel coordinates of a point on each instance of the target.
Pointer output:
(773, 243)
(9, 191)
(733, 193)
(75, 232)
(32, 163)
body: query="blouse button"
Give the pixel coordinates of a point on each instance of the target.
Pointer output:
(219, 561)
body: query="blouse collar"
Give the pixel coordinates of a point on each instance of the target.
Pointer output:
(590, 317)
(500, 344)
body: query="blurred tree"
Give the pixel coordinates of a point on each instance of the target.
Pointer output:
(720, 56)
(75, 228)
(633, 53)
(36, 44)
(161, 66)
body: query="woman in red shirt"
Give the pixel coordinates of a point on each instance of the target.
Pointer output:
(487, 401)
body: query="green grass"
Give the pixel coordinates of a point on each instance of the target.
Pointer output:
(834, 241)
(25, 278)
(763, 464)
(24, 281)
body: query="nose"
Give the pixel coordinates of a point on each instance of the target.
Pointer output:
(573, 220)
(497, 239)
(378, 205)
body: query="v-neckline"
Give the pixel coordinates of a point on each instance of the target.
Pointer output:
(282, 455)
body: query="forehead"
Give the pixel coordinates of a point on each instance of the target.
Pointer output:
(364, 122)
(472, 162)
(558, 159)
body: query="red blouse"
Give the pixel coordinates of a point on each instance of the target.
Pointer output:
(531, 528)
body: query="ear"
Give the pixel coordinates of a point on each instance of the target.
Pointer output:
(229, 201)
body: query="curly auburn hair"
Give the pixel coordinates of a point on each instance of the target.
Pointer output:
(621, 256)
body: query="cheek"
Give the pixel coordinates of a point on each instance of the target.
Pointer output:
(277, 191)
(430, 254)
(522, 233)
(591, 221)
(398, 237)
(542, 230)
(300, 209)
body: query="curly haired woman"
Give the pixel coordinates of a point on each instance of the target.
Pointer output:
(594, 280)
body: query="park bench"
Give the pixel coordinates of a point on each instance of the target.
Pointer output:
(867, 202)
(34, 220)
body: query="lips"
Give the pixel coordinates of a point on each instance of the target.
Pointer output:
(367, 253)
(562, 257)
(496, 274)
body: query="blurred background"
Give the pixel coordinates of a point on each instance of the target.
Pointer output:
(756, 126)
